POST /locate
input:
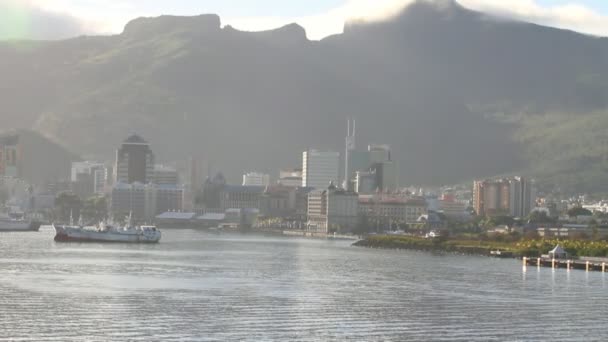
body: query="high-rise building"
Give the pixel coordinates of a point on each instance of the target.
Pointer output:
(256, 179)
(320, 168)
(134, 161)
(383, 167)
(379, 153)
(88, 178)
(523, 195)
(350, 147)
(365, 182)
(511, 196)
(354, 160)
(358, 161)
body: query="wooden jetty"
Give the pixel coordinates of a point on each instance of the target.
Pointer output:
(587, 265)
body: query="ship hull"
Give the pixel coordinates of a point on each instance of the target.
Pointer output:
(72, 234)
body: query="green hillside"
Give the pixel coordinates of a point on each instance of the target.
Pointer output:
(428, 81)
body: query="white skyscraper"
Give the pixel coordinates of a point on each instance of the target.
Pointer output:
(319, 168)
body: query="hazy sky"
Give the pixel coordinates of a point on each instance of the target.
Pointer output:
(60, 18)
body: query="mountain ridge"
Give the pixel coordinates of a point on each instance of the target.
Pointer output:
(445, 90)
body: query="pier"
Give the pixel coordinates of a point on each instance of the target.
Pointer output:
(584, 264)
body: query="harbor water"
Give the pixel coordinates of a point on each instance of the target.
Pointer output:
(197, 286)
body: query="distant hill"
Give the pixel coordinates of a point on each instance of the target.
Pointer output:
(458, 94)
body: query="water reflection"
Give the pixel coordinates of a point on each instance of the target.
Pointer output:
(195, 286)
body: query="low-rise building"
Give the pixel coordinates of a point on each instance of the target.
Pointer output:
(278, 201)
(145, 201)
(397, 209)
(241, 196)
(256, 179)
(332, 210)
(453, 209)
(292, 177)
(174, 219)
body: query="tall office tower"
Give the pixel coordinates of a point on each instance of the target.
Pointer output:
(320, 168)
(383, 167)
(350, 147)
(134, 161)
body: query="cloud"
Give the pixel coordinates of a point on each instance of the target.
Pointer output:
(23, 20)
(324, 24)
(62, 18)
(572, 16)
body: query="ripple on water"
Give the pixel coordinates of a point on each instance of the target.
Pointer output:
(199, 287)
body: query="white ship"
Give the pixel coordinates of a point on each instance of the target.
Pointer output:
(107, 232)
(17, 222)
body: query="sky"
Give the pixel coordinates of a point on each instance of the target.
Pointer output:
(54, 19)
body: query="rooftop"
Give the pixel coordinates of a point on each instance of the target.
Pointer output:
(174, 215)
(244, 188)
(400, 201)
(135, 139)
(212, 217)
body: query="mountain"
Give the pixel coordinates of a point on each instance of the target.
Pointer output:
(458, 94)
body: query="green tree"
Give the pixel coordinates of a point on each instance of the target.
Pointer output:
(500, 220)
(539, 217)
(579, 211)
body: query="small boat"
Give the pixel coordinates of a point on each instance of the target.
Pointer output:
(107, 232)
(501, 254)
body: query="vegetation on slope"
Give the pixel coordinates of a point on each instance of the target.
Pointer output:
(567, 150)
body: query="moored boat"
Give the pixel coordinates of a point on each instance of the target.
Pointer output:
(107, 232)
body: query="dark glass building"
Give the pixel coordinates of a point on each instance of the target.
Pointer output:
(134, 161)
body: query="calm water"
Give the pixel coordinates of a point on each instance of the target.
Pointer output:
(195, 286)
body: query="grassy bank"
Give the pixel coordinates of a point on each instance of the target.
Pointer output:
(529, 248)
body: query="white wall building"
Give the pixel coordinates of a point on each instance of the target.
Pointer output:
(390, 208)
(256, 179)
(291, 177)
(320, 168)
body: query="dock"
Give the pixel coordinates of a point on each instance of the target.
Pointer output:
(569, 264)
